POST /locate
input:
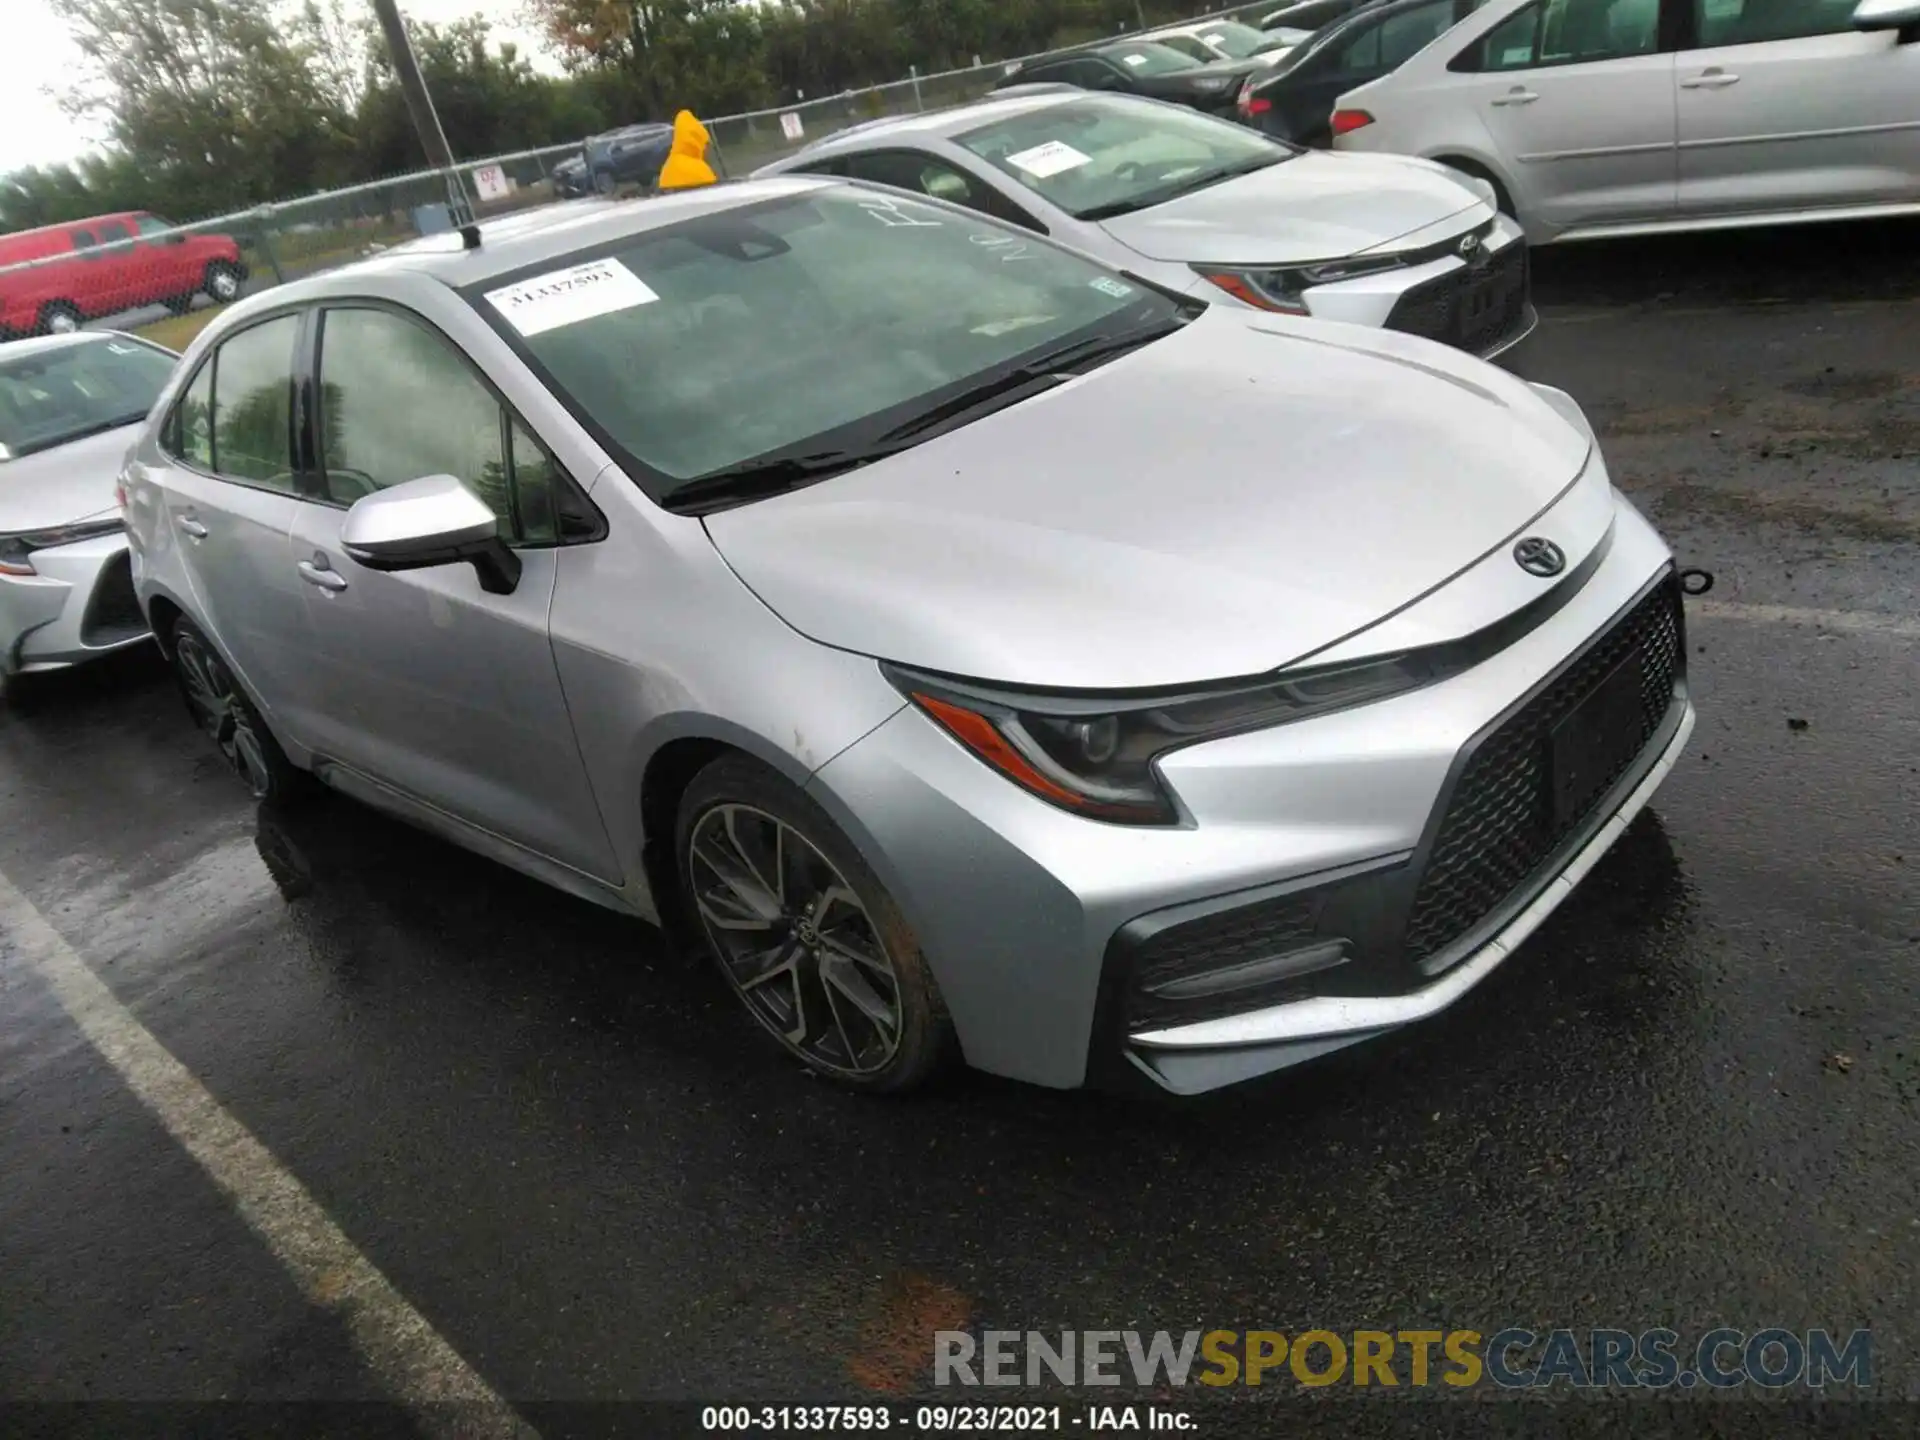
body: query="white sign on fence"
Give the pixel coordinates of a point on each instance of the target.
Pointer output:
(490, 182)
(790, 125)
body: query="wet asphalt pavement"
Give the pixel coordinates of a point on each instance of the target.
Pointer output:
(1693, 1099)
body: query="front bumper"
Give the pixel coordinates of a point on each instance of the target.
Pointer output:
(1483, 306)
(79, 606)
(1026, 913)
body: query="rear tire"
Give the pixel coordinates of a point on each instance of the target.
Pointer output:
(222, 711)
(58, 317)
(222, 282)
(804, 933)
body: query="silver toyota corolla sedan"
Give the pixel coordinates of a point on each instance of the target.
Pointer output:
(1206, 206)
(938, 633)
(70, 406)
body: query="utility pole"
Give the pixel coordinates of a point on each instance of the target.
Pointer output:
(426, 120)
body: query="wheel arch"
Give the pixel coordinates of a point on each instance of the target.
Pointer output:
(685, 747)
(162, 612)
(1471, 163)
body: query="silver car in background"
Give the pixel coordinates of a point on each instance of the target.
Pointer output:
(1597, 118)
(938, 633)
(70, 405)
(1201, 204)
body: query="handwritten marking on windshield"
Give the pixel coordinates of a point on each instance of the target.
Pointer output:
(889, 213)
(1009, 248)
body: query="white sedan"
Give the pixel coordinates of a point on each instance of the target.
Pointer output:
(1211, 208)
(1597, 118)
(70, 406)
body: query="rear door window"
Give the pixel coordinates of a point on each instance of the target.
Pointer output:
(253, 405)
(1753, 22)
(1567, 32)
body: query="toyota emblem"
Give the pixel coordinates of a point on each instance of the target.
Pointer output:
(1469, 244)
(1539, 556)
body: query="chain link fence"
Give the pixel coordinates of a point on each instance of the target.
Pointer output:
(140, 272)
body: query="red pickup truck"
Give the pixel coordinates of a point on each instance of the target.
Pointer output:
(53, 278)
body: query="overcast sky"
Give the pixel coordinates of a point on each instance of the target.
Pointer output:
(33, 131)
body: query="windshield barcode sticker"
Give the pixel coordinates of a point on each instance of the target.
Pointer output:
(1048, 159)
(1134, 59)
(566, 297)
(1111, 287)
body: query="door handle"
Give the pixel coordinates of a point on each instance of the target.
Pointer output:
(322, 575)
(192, 527)
(1519, 95)
(1714, 79)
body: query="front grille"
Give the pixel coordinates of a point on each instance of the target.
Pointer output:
(1439, 309)
(1499, 827)
(113, 611)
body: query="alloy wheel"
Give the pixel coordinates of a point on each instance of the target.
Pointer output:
(795, 940)
(62, 322)
(219, 710)
(223, 285)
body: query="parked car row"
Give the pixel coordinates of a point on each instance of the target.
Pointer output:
(1587, 118)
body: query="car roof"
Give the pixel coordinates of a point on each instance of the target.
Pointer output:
(45, 344)
(1191, 27)
(528, 237)
(954, 120)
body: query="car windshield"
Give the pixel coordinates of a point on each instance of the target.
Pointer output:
(153, 225)
(806, 323)
(1150, 57)
(1106, 156)
(48, 397)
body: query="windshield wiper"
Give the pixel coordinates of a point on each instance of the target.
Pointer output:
(779, 473)
(1186, 185)
(99, 428)
(1052, 368)
(771, 475)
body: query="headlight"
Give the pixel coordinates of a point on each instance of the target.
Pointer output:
(1096, 756)
(16, 551)
(1284, 288)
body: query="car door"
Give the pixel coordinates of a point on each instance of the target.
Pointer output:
(230, 497)
(167, 268)
(421, 680)
(115, 273)
(1782, 105)
(1577, 98)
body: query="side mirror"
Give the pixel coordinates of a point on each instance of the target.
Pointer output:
(1901, 15)
(429, 522)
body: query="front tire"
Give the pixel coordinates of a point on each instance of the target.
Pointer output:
(226, 716)
(804, 933)
(222, 282)
(59, 317)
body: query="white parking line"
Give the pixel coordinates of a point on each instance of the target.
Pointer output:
(419, 1369)
(1861, 622)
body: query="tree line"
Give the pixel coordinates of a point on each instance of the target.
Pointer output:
(211, 106)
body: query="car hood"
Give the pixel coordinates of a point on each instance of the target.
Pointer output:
(67, 483)
(1315, 206)
(1218, 503)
